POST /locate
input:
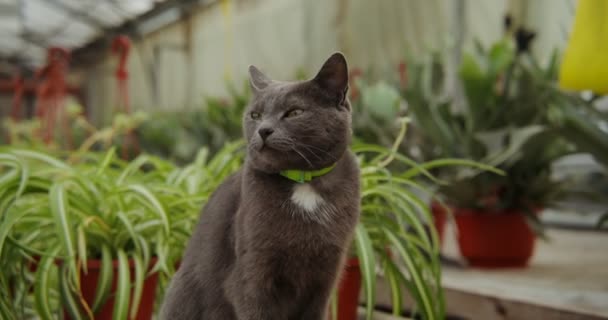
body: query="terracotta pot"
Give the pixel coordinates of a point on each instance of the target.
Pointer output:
(439, 219)
(494, 239)
(88, 284)
(348, 292)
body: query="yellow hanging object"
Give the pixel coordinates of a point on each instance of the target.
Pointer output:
(585, 62)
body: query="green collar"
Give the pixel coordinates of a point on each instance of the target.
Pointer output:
(301, 176)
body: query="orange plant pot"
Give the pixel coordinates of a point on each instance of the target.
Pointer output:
(439, 220)
(348, 292)
(88, 285)
(494, 239)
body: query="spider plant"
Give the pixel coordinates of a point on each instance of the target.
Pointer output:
(95, 205)
(80, 136)
(63, 213)
(391, 236)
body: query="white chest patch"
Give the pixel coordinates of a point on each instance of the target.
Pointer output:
(305, 197)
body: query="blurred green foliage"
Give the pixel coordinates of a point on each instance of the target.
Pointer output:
(178, 135)
(512, 116)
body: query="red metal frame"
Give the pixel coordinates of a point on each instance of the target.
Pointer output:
(51, 90)
(18, 84)
(121, 46)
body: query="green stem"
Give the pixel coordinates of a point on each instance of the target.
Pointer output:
(400, 137)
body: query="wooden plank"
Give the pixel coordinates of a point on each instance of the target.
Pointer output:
(472, 306)
(378, 315)
(463, 304)
(567, 279)
(569, 272)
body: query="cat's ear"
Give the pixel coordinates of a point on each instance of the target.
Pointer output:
(257, 79)
(333, 76)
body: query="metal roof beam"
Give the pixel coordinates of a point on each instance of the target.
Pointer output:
(34, 39)
(132, 27)
(77, 14)
(115, 5)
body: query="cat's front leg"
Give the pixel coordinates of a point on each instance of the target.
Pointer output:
(252, 297)
(317, 306)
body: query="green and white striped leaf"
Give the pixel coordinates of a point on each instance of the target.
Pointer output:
(121, 301)
(43, 285)
(68, 301)
(419, 284)
(60, 210)
(367, 260)
(153, 202)
(104, 282)
(138, 285)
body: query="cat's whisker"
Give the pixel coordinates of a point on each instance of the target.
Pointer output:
(308, 147)
(311, 136)
(283, 146)
(301, 155)
(312, 152)
(314, 147)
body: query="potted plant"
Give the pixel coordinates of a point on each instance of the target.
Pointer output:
(90, 236)
(504, 120)
(137, 195)
(391, 237)
(346, 302)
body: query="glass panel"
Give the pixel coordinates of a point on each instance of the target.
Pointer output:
(54, 26)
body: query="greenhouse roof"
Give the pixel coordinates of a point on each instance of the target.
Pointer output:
(28, 27)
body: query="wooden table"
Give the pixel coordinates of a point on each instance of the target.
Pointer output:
(567, 279)
(378, 315)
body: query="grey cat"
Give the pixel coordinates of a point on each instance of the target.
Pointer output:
(271, 242)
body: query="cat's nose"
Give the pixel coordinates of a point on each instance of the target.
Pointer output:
(265, 132)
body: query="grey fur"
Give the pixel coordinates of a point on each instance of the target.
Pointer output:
(255, 254)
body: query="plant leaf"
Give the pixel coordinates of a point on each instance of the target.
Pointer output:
(43, 287)
(140, 277)
(59, 209)
(41, 157)
(107, 159)
(104, 281)
(82, 248)
(121, 301)
(153, 202)
(10, 219)
(396, 280)
(67, 297)
(418, 281)
(365, 253)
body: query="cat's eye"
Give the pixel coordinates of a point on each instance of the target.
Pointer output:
(293, 113)
(255, 115)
